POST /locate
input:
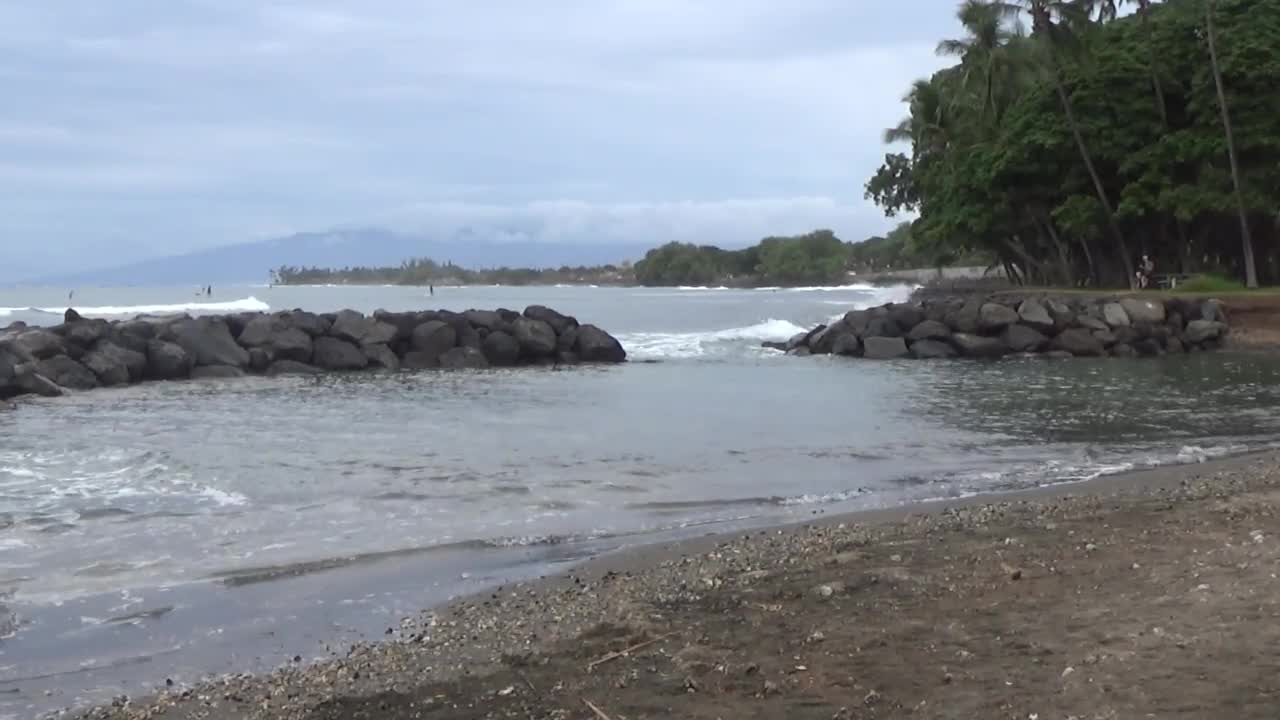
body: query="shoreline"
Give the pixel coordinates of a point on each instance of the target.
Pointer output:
(485, 655)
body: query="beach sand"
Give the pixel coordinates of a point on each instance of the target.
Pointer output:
(1150, 594)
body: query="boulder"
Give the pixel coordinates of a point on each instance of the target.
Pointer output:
(1088, 322)
(208, 340)
(856, 321)
(488, 319)
(1062, 314)
(1021, 338)
(41, 344)
(801, 351)
(930, 349)
(403, 322)
(420, 360)
(115, 365)
(1109, 338)
(134, 334)
(823, 342)
(795, 341)
(596, 345)
(468, 336)
(883, 327)
(1079, 342)
(1114, 315)
(67, 373)
(85, 333)
(500, 349)
(905, 315)
(565, 341)
(28, 380)
(357, 329)
(292, 367)
(308, 322)
(70, 315)
(1057, 355)
(1123, 350)
(977, 346)
(1035, 316)
(536, 337)
(276, 334)
(929, 330)
(847, 344)
(260, 359)
(994, 317)
(216, 372)
(236, 322)
(432, 339)
(559, 323)
(1174, 345)
(463, 358)
(168, 361)
(1199, 331)
(1141, 310)
(380, 355)
(773, 345)
(332, 353)
(964, 319)
(884, 348)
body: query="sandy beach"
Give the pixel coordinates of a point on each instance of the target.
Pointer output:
(1151, 594)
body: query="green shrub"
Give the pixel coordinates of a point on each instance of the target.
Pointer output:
(1210, 283)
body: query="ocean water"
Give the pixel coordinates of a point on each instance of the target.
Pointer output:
(175, 530)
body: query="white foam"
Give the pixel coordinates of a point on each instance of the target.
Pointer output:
(249, 304)
(648, 346)
(700, 287)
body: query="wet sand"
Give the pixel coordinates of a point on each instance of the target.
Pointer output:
(1150, 594)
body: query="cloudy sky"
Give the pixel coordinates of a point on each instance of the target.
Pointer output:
(135, 128)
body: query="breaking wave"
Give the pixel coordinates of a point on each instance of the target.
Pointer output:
(248, 304)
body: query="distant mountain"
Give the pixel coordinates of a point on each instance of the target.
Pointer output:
(252, 262)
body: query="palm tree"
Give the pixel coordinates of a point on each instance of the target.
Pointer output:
(926, 127)
(1250, 270)
(1053, 22)
(984, 52)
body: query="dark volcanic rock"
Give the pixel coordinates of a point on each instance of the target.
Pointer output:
(276, 334)
(463, 358)
(216, 372)
(1142, 310)
(1114, 315)
(596, 345)
(308, 322)
(884, 348)
(41, 344)
(134, 334)
(1034, 315)
(856, 321)
(1079, 342)
(881, 327)
(29, 380)
(1088, 322)
(403, 322)
(1149, 347)
(1063, 316)
(70, 315)
(380, 355)
(1123, 350)
(930, 330)
(259, 359)
(432, 339)
(331, 353)
(537, 338)
(115, 365)
(847, 345)
(905, 315)
(567, 340)
(559, 323)
(488, 319)
(85, 333)
(67, 373)
(357, 329)
(500, 349)
(1020, 338)
(1199, 331)
(964, 319)
(208, 340)
(420, 360)
(976, 346)
(824, 342)
(168, 361)
(928, 349)
(994, 317)
(292, 367)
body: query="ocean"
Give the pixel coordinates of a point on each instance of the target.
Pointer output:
(176, 530)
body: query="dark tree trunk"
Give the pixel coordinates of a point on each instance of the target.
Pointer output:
(1250, 269)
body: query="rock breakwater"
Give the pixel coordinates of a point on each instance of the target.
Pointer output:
(1005, 324)
(84, 353)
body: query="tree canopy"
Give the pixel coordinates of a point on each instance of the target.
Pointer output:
(1069, 139)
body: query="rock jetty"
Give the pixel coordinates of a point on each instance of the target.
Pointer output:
(83, 353)
(999, 325)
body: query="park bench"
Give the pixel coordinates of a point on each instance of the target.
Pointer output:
(1171, 281)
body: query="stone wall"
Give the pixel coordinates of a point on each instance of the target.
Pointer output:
(82, 354)
(1005, 324)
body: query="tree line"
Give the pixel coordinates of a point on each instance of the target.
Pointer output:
(424, 271)
(1069, 139)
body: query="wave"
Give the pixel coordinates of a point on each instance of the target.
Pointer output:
(648, 346)
(248, 304)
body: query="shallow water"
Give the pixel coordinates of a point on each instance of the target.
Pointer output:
(217, 526)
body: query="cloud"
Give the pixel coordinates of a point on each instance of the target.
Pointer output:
(153, 128)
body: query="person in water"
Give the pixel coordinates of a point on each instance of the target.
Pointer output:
(432, 289)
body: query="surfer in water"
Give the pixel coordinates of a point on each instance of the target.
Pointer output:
(431, 288)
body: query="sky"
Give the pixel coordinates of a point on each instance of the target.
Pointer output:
(138, 128)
